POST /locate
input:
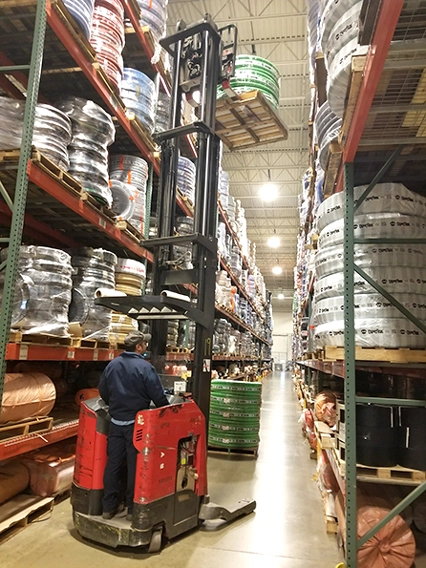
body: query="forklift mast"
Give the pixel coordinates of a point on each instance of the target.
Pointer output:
(203, 57)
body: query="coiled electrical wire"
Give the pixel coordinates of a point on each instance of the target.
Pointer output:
(162, 112)
(122, 200)
(138, 94)
(129, 169)
(92, 132)
(82, 12)
(51, 135)
(327, 126)
(107, 38)
(154, 15)
(255, 73)
(185, 178)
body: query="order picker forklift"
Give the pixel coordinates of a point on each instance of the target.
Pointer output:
(170, 494)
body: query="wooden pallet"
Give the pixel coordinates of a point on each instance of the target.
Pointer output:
(40, 339)
(177, 350)
(355, 81)
(20, 511)
(81, 342)
(396, 474)
(332, 353)
(74, 29)
(25, 427)
(248, 120)
(252, 452)
(129, 229)
(333, 166)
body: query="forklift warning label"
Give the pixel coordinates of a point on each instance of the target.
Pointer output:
(206, 365)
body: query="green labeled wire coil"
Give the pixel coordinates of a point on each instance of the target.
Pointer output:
(253, 73)
(235, 414)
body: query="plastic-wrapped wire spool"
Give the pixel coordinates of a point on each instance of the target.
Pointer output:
(154, 15)
(139, 95)
(388, 333)
(408, 280)
(235, 414)
(255, 73)
(369, 306)
(400, 257)
(185, 178)
(130, 276)
(43, 289)
(52, 130)
(384, 198)
(345, 29)
(376, 435)
(130, 267)
(93, 269)
(383, 225)
(182, 254)
(224, 188)
(412, 438)
(162, 112)
(327, 126)
(92, 132)
(107, 38)
(82, 12)
(338, 76)
(332, 11)
(123, 204)
(129, 169)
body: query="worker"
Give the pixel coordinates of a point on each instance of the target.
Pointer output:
(128, 384)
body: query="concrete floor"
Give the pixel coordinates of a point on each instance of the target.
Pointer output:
(286, 531)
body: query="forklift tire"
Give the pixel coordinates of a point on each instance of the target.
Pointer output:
(156, 540)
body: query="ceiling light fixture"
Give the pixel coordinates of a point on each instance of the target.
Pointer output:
(274, 242)
(269, 191)
(280, 296)
(277, 270)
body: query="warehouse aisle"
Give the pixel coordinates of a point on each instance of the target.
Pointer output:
(287, 530)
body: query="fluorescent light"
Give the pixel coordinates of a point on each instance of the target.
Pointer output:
(268, 192)
(277, 270)
(280, 296)
(274, 242)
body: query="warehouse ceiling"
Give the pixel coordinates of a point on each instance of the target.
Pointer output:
(275, 30)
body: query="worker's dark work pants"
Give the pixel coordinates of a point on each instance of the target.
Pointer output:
(119, 446)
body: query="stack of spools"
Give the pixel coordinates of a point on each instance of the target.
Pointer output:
(133, 172)
(221, 241)
(139, 96)
(253, 73)
(82, 12)
(222, 330)
(231, 213)
(162, 113)
(92, 132)
(186, 337)
(42, 290)
(224, 189)
(52, 130)
(172, 333)
(185, 178)
(182, 254)
(107, 38)
(390, 210)
(339, 40)
(93, 274)
(235, 414)
(236, 261)
(327, 126)
(130, 278)
(154, 15)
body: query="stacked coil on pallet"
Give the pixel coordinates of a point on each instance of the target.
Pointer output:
(389, 210)
(139, 96)
(133, 172)
(93, 271)
(253, 73)
(224, 188)
(162, 112)
(82, 12)
(51, 135)
(185, 178)
(234, 421)
(107, 38)
(130, 278)
(327, 128)
(182, 254)
(42, 291)
(154, 15)
(92, 132)
(339, 40)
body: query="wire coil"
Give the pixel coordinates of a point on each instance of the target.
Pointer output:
(82, 12)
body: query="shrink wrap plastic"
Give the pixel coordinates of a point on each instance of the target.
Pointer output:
(377, 257)
(26, 395)
(393, 546)
(384, 198)
(369, 306)
(43, 290)
(14, 478)
(405, 280)
(389, 333)
(373, 224)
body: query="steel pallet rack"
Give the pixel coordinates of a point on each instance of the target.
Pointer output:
(377, 144)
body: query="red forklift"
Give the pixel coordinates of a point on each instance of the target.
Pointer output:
(170, 494)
